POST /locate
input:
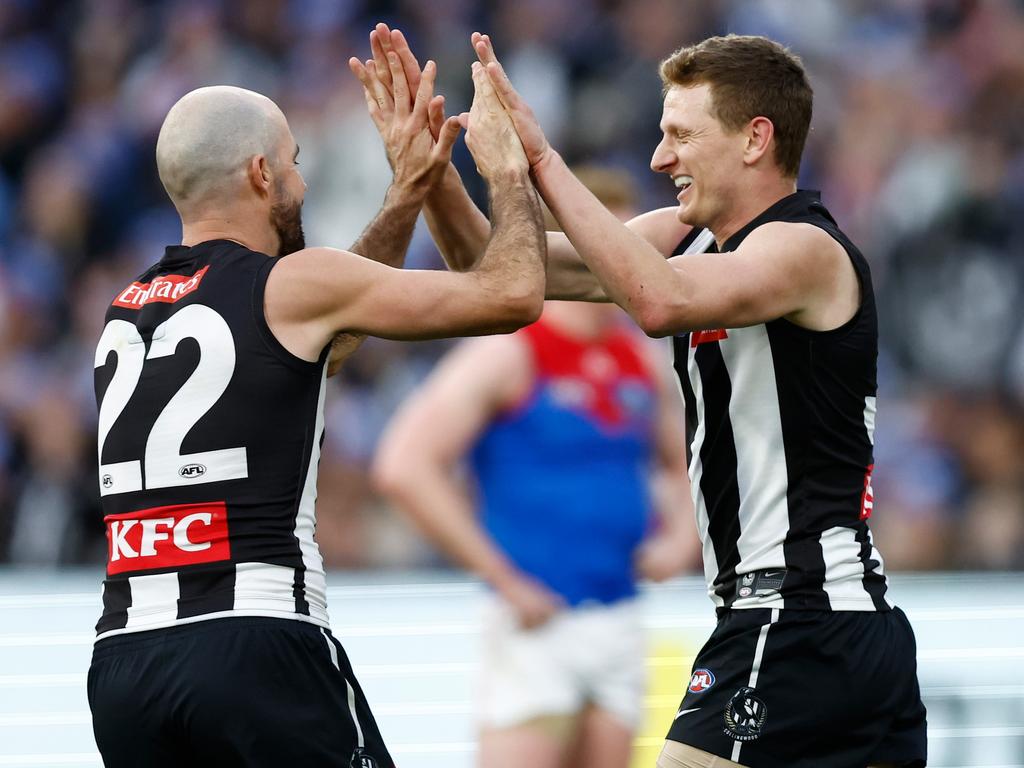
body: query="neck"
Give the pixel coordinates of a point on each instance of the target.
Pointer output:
(226, 226)
(751, 202)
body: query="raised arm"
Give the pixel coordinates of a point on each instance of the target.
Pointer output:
(416, 462)
(457, 226)
(795, 271)
(417, 161)
(314, 294)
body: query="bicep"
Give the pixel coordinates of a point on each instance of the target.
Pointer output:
(328, 292)
(774, 273)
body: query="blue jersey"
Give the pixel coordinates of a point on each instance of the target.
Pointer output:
(563, 477)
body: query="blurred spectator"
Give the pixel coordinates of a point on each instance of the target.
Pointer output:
(917, 144)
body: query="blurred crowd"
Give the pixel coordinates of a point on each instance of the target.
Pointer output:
(917, 145)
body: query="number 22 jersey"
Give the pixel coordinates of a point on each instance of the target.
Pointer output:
(209, 443)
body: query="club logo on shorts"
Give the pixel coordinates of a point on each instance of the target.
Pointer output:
(701, 680)
(744, 715)
(362, 760)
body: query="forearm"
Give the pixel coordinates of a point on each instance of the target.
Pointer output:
(515, 258)
(386, 239)
(444, 513)
(459, 229)
(631, 272)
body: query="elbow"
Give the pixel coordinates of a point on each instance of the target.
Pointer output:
(390, 476)
(656, 319)
(520, 309)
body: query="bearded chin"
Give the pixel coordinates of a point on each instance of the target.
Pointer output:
(286, 219)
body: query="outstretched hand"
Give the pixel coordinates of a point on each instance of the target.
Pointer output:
(399, 96)
(535, 144)
(490, 134)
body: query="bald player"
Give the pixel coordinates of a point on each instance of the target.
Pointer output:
(214, 646)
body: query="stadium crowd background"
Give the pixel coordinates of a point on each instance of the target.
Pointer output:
(917, 145)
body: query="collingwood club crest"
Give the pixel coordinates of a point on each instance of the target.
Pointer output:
(744, 715)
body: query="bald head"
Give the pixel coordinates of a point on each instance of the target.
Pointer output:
(208, 139)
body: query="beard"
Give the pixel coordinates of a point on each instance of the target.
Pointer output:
(286, 219)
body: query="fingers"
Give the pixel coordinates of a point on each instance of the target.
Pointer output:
(381, 95)
(446, 135)
(435, 115)
(380, 44)
(484, 49)
(373, 106)
(424, 95)
(399, 86)
(405, 55)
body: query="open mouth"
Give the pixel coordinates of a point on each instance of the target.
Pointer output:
(682, 183)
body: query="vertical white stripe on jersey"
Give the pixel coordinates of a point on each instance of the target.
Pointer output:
(696, 471)
(870, 404)
(264, 587)
(154, 600)
(305, 520)
(760, 453)
(844, 570)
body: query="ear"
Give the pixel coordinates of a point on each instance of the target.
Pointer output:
(260, 177)
(760, 133)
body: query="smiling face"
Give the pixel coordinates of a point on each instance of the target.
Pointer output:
(705, 161)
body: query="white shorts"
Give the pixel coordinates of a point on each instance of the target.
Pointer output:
(587, 655)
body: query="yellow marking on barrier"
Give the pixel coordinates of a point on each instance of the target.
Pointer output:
(668, 664)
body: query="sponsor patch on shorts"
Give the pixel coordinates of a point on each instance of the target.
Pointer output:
(701, 680)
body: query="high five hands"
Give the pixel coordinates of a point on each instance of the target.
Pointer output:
(409, 117)
(411, 121)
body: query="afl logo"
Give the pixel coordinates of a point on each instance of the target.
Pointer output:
(701, 680)
(192, 471)
(107, 481)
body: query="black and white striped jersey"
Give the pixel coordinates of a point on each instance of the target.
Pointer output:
(780, 423)
(209, 442)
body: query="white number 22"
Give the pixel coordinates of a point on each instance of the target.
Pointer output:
(165, 464)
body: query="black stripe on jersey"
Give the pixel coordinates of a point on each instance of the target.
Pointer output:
(117, 599)
(718, 482)
(680, 345)
(301, 604)
(874, 582)
(206, 591)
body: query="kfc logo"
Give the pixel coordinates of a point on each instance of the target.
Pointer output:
(167, 537)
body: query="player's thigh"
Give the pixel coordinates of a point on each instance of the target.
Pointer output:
(676, 755)
(602, 740)
(540, 743)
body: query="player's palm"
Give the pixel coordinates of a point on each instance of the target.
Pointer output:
(535, 143)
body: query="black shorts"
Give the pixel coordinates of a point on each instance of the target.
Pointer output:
(231, 692)
(789, 688)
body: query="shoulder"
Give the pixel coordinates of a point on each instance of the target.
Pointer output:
(798, 241)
